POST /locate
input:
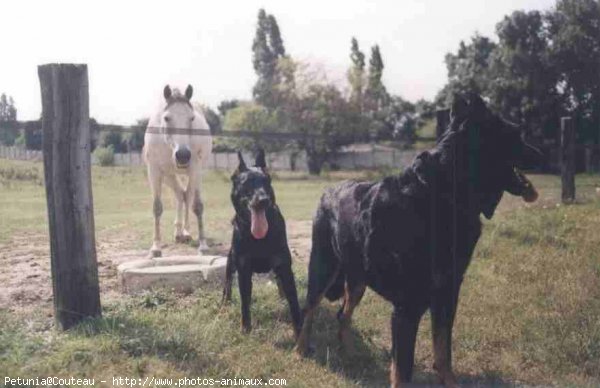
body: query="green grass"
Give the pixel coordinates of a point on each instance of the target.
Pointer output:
(529, 311)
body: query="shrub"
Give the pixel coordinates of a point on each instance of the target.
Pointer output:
(105, 156)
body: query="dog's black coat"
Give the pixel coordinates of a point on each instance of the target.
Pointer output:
(410, 237)
(248, 255)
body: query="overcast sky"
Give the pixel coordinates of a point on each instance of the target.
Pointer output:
(133, 48)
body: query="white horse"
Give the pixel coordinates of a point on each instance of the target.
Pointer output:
(177, 142)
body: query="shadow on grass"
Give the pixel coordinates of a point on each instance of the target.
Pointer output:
(365, 363)
(138, 339)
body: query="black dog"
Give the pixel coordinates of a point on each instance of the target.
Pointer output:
(259, 242)
(410, 237)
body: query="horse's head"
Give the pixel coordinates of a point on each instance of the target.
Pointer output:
(177, 123)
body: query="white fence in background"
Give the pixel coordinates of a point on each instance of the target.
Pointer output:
(348, 160)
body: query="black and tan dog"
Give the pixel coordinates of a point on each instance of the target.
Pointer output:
(410, 237)
(259, 242)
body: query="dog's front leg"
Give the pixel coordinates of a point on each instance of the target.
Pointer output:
(229, 271)
(288, 285)
(443, 310)
(404, 336)
(245, 285)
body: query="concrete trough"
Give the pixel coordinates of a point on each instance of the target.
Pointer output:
(177, 273)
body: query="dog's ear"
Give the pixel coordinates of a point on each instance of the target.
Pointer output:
(260, 159)
(459, 109)
(167, 92)
(188, 92)
(478, 106)
(242, 165)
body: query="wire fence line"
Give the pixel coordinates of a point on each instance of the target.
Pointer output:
(282, 160)
(348, 159)
(268, 135)
(587, 156)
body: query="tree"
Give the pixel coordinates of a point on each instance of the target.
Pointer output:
(376, 93)
(135, 139)
(225, 105)
(574, 29)
(33, 135)
(212, 119)
(317, 110)
(468, 69)
(522, 78)
(252, 118)
(356, 75)
(8, 120)
(267, 49)
(275, 40)
(113, 138)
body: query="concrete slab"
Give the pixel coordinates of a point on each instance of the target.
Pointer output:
(177, 273)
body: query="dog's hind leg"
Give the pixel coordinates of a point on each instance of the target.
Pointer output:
(353, 293)
(323, 271)
(229, 271)
(404, 336)
(443, 310)
(288, 284)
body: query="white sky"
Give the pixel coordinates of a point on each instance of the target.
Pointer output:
(133, 48)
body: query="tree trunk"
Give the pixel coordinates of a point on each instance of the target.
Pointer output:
(314, 162)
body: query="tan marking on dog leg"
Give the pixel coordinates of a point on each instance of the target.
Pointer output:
(303, 338)
(394, 376)
(442, 357)
(351, 299)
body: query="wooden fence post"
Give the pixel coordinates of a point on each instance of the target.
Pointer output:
(567, 148)
(66, 145)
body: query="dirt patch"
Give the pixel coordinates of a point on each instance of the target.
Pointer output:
(299, 239)
(25, 264)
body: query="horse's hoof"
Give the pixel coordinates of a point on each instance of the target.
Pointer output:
(202, 246)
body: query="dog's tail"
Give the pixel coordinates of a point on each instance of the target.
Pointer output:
(325, 277)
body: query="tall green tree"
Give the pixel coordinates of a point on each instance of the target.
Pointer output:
(523, 79)
(468, 69)
(251, 118)
(318, 111)
(356, 75)
(574, 29)
(275, 40)
(376, 92)
(267, 50)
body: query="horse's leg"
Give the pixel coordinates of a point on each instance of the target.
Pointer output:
(155, 178)
(198, 208)
(181, 234)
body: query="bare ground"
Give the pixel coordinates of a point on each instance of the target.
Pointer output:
(25, 273)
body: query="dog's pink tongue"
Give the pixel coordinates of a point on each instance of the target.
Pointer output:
(259, 225)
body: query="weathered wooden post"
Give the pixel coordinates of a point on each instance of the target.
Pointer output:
(567, 144)
(66, 145)
(442, 120)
